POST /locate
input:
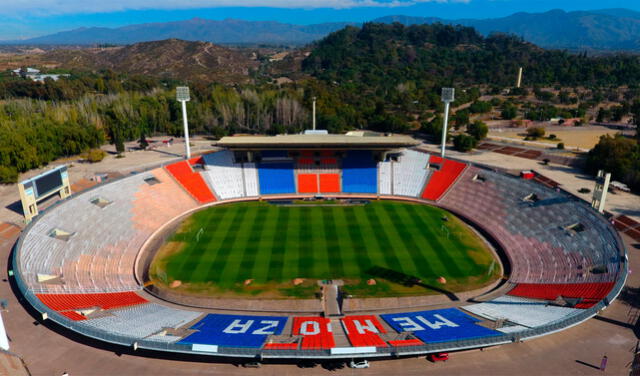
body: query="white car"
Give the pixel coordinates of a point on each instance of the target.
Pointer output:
(359, 364)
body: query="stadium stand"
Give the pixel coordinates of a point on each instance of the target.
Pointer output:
(440, 181)
(276, 178)
(72, 302)
(363, 330)
(384, 178)
(251, 179)
(307, 183)
(440, 325)
(143, 321)
(234, 330)
(316, 332)
(520, 311)
(534, 226)
(224, 177)
(329, 183)
(191, 181)
(93, 259)
(588, 293)
(359, 172)
(410, 173)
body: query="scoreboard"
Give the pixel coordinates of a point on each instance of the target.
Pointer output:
(55, 181)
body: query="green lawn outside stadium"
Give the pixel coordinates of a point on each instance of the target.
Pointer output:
(217, 249)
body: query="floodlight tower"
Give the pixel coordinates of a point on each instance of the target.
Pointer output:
(183, 96)
(448, 94)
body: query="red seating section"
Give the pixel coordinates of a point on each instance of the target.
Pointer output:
(406, 342)
(363, 331)
(329, 161)
(591, 293)
(196, 160)
(281, 346)
(329, 183)
(305, 161)
(72, 302)
(191, 181)
(442, 179)
(307, 183)
(315, 331)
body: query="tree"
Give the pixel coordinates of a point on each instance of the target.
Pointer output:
(478, 130)
(461, 118)
(464, 143)
(509, 112)
(144, 144)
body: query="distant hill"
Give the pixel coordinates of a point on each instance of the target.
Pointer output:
(171, 58)
(608, 29)
(229, 31)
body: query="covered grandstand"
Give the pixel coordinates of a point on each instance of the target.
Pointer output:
(76, 262)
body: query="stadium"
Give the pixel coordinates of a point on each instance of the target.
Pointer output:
(545, 260)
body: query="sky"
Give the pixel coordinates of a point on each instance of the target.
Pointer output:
(20, 19)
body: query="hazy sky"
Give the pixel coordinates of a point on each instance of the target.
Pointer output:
(26, 18)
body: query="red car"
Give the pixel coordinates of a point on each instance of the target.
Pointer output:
(438, 357)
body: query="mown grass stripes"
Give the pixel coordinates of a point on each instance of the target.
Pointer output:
(271, 243)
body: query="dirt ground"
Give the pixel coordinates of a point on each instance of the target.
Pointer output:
(573, 137)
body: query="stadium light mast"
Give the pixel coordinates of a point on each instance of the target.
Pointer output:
(448, 96)
(314, 113)
(183, 96)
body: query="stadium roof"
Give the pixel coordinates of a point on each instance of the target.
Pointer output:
(351, 140)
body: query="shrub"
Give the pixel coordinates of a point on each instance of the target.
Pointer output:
(536, 132)
(94, 155)
(552, 137)
(560, 146)
(464, 143)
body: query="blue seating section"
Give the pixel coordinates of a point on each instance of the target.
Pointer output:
(234, 330)
(359, 172)
(274, 154)
(440, 325)
(276, 178)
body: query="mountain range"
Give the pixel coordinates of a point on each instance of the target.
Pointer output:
(608, 29)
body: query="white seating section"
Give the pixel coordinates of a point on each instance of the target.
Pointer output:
(223, 176)
(384, 178)
(410, 173)
(143, 320)
(251, 180)
(525, 312)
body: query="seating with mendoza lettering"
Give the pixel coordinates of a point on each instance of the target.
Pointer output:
(363, 331)
(316, 332)
(440, 325)
(234, 330)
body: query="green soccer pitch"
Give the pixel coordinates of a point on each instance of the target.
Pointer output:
(217, 249)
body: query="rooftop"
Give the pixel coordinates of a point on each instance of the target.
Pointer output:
(351, 140)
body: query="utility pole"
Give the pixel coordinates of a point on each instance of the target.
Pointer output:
(183, 96)
(314, 113)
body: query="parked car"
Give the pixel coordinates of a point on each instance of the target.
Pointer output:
(359, 364)
(438, 357)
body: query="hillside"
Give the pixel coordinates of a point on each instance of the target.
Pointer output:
(171, 58)
(387, 55)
